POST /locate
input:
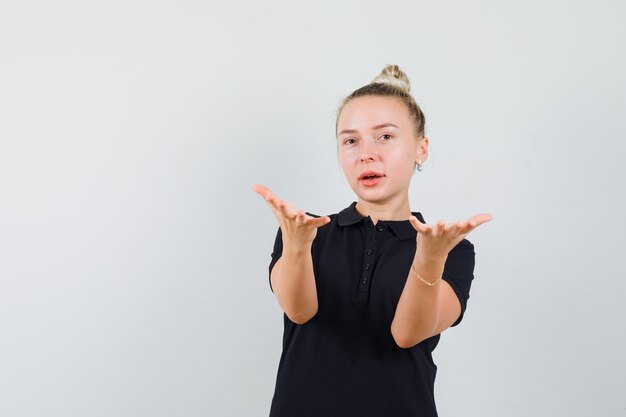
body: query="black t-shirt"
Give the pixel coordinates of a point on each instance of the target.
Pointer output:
(344, 361)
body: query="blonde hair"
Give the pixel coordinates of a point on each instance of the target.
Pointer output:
(391, 82)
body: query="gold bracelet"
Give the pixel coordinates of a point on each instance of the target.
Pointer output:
(423, 280)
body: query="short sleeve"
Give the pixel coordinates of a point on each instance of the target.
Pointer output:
(276, 253)
(278, 249)
(459, 272)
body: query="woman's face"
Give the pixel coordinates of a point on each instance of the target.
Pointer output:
(377, 134)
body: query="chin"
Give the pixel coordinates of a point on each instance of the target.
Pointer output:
(372, 196)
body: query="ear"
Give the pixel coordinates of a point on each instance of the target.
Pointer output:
(422, 149)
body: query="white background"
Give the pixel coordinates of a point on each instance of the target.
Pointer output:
(134, 253)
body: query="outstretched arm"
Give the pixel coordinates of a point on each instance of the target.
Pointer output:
(292, 276)
(428, 305)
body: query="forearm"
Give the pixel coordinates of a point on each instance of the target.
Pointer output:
(293, 282)
(417, 312)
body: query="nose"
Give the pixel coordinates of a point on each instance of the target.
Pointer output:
(367, 151)
(367, 157)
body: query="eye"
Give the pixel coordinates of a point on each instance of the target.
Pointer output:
(386, 134)
(346, 141)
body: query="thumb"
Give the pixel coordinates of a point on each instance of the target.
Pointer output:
(417, 225)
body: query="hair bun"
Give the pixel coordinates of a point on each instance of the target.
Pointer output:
(392, 74)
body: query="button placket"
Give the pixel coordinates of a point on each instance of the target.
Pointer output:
(379, 230)
(369, 259)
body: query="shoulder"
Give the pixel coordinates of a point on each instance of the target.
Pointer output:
(461, 258)
(462, 249)
(464, 244)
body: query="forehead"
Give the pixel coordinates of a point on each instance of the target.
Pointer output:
(365, 112)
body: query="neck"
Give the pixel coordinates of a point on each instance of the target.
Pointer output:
(389, 210)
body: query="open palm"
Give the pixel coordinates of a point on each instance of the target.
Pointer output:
(436, 241)
(298, 228)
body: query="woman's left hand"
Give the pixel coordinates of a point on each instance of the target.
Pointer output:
(436, 241)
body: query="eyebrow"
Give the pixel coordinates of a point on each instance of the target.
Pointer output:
(380, 126)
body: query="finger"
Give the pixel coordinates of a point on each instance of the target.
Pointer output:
(271, 201)
(280, 207)
(316, 221)
(467, 226)
(428, 229)
(286, 210)
(451, 228)
(320, 221)
(300, 217)
(277, 204)
(439, 226)
(461, 228)
(264, 192)
(274, 202)
(476, 221)
(260, 189)
(482, 218)
(417, 225)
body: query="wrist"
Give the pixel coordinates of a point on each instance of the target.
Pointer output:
(429, 259)
(297, 248)
(427, 270)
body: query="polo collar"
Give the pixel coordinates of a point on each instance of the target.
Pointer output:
(402, 228)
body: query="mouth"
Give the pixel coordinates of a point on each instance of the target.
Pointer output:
(369, 175)
(370, 178)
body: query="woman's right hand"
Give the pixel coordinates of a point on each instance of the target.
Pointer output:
(298, 228)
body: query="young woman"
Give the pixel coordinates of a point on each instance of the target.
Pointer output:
(367, 291)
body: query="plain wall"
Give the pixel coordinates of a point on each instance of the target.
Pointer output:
(134, 253)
